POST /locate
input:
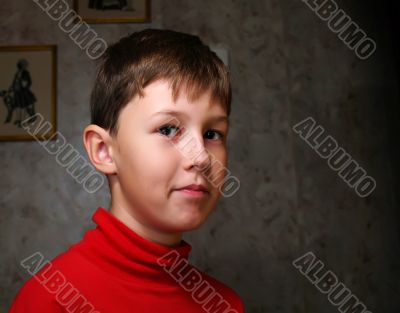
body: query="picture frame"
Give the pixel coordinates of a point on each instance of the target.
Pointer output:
(114, 11)
(28, 90)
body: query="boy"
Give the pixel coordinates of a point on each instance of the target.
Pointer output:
(158, 97)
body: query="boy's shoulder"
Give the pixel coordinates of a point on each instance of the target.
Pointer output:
(40, 293)
(32, 297)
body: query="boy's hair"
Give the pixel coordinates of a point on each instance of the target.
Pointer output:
(141, 58)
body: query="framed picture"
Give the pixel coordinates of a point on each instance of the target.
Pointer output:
(113, 11)
(27, 90)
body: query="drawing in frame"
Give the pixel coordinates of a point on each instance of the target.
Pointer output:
(28, 83)
(114, 11)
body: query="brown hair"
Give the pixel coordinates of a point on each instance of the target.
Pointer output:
(141, 58)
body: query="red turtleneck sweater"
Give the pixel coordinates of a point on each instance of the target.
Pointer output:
(113, 269)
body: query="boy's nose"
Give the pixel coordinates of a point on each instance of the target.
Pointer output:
(194, 152)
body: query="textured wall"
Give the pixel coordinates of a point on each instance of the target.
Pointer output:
(286, 65)
(357, 238)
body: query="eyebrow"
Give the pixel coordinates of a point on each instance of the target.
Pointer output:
(217, 119)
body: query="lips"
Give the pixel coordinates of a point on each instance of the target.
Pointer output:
(194, 187)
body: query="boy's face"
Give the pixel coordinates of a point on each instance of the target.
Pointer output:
(152, 163)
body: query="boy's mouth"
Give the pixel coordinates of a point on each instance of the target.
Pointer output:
(195, 187)
(194, 190)
(193, 193)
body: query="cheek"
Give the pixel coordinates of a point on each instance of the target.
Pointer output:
(219, 153)
(156, 160)
(219, 167)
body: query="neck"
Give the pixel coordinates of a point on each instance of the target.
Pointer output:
(143, 230)
(129, 257)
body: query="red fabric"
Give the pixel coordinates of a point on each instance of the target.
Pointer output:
(113, 269)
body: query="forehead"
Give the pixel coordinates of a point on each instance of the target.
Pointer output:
(158, 98)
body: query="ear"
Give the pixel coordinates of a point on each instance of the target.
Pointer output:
(99, 147)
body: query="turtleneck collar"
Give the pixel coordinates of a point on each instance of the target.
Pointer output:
(119, 251)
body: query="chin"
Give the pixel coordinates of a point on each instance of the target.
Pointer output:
(191, 223)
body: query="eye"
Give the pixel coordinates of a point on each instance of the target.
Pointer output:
(166, 130)
(211, 132)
